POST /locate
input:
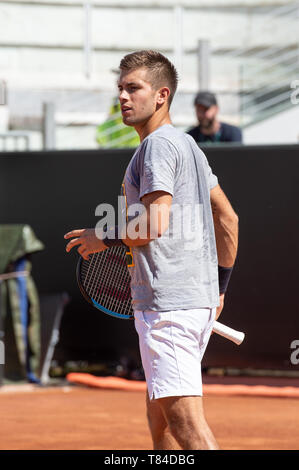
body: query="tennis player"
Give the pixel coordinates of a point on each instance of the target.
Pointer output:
(183, 261)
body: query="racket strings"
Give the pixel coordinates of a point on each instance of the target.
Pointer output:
(119, 291)
(101, 274)
(124, 299)
(111, 285)
(93, 281)
(91, 273)
(121, 284)
(106, 279)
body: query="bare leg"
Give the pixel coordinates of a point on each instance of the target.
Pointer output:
(161, 435)
(187, 423)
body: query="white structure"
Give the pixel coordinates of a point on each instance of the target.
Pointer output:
(281, 128)
(4, 116)
(65, 51)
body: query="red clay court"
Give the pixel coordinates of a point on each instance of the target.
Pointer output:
(76, 417)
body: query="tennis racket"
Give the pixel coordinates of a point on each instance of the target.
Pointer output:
(104, 281)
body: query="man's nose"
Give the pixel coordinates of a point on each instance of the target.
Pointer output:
(123, 96)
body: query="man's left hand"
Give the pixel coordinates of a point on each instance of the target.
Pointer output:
(219, 309)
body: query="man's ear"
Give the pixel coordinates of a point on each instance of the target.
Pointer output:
(163, 95)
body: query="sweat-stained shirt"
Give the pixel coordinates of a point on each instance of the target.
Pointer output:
(178, 270)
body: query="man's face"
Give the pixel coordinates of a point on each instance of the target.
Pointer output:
(137, 98)
(206, 116)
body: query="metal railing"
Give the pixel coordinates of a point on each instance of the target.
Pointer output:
(15, 137)
(278, 12)
(266, 74)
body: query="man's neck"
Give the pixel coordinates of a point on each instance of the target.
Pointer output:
(151, 125)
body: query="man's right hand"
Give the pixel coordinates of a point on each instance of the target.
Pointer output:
(88, 241)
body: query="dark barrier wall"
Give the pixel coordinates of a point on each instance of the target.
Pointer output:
(58, 191)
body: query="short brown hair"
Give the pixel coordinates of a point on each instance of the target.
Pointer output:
(162, 71)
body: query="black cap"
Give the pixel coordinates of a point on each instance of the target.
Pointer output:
(206, 98)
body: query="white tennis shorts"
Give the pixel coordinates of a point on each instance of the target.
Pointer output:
(172, 345)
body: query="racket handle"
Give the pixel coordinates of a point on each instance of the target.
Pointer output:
(229, 333)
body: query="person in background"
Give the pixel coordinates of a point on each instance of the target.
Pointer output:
(209, 128)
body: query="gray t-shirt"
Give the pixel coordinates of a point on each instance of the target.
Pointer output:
(178, 270)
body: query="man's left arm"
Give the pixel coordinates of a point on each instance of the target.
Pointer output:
(226, 224)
